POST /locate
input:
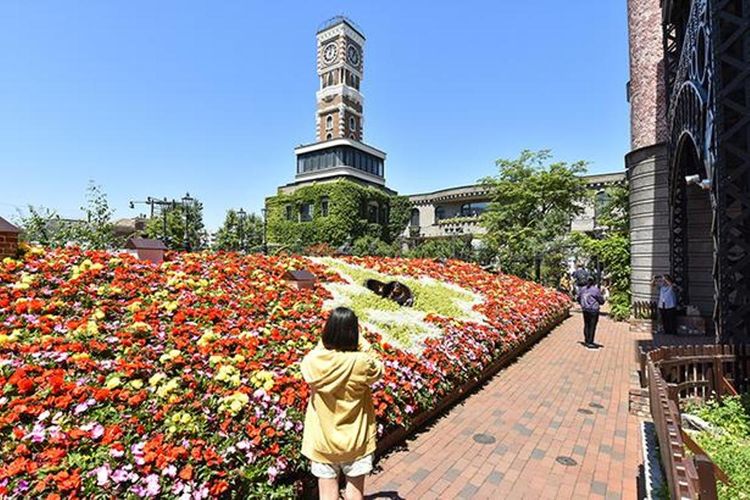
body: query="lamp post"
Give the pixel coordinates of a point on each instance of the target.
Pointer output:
(264, 212)
(186, 202)
(241, 229)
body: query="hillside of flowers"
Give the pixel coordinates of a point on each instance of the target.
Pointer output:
(121, 378)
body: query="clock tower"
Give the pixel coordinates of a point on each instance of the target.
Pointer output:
(339, 151)
(340, 68)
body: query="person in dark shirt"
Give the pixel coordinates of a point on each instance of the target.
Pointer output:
(590, 298)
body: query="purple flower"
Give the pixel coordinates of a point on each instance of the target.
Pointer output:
(169, 470)
(116, 453)
(97, 431)
(120, 476)
(37, 434)
(152, 485)
(272, 473)
(102, 474)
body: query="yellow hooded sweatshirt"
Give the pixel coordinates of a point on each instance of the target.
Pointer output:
(340, 418)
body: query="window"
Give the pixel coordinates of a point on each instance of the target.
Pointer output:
(352, 124)
(324, 206)
(439, 214)
(289, 212)
(305, 212)
(329, 122)
(414, 219)
(599, 203)
(372, 212)
(473, 209)
(352, 136)
(329, 136)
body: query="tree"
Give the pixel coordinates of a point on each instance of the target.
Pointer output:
(532, 204)
(94, 231)
(240, 231)
(97, 229)
(611, 248)
(184, 224)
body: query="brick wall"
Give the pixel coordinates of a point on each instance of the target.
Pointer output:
(648, 102)
(8, 244)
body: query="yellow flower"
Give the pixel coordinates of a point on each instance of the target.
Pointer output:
(136, 384)
(113, 382)
(156, 379)
(263, 379)
(207, 337)
(133, 307)
(234, 403)
(99, 314)
(215, 359)
(170, 386)
(169, 356)
(228, 374)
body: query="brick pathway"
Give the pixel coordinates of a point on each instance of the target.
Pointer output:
(558, 399)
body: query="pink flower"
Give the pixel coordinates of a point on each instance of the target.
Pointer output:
(97, 431)
(102, 474)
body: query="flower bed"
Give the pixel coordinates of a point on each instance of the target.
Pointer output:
(119, 377)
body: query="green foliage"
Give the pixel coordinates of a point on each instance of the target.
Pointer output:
(444, 248)
(42, 225)
(612, 249)
(367, 245)
(346, 219)
(730, 450)
(94, 231)
(184, 224)
(239, 231)
(533, 202)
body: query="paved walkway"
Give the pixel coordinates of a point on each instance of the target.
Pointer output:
(558, 400)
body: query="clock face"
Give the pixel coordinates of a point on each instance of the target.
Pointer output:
(329, 53)
(352, 54)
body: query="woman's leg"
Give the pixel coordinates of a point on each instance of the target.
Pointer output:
(328, 489)
(592, 328)
(355, 488)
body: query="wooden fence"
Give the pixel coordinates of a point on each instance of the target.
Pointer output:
(677, 373)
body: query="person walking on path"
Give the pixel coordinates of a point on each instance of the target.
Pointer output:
(667, 303)
(340, 431)
(590, 298)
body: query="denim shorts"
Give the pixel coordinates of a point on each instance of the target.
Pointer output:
(359, 467)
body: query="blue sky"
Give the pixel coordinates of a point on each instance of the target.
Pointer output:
(159, 98)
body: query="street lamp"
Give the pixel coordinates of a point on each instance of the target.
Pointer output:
(186, 201)
(241, 214)
(265, 225)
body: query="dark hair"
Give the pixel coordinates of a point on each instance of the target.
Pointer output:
(341, 332)
(667, 277)
(590, 281)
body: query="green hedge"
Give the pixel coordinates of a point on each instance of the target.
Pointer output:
(346, 219)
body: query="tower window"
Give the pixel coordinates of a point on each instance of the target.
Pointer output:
(329, 136)
(352, 124)
(329, 122)
(353, 136)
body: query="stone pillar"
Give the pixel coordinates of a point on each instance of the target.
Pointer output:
(8, 239)
(648, 170)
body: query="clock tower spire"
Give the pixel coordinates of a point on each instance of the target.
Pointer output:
(340, 70)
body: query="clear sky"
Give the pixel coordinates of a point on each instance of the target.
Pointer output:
(159, 98)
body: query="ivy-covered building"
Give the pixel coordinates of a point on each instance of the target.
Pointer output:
(339, 192)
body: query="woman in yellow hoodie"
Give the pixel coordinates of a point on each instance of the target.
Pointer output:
(340, 431)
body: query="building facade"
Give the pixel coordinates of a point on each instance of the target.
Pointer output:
(456, 211)
(690, 164)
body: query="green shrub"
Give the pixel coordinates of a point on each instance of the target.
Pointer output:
(729, 450)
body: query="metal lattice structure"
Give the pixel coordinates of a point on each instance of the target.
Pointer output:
(707, 73)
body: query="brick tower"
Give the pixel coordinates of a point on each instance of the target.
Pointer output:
(647, 165)
(340, 68)
(339, 151)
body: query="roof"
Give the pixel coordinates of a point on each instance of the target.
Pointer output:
(300, 275)
(145, 244)
(336, 20)
(7, 227)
